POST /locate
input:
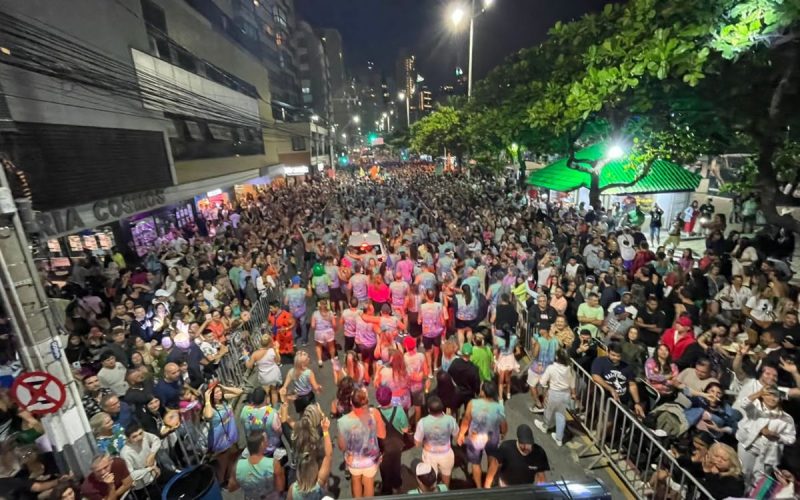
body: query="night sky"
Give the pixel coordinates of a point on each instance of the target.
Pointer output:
(377, 29)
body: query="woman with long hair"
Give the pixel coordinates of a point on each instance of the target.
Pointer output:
(634, 352)
(366, 339)
(449, 353)
(686, 262)
(413, 300)
(432, 317)
(359, 432)
(661, 373)
(324, 324)
(344, 392)
(312, 475)
(300, 384)
(483, 423)
(306, 433)
(467, 307)
(223, 432)
(505, 341)
(559, 382)
(267, 363)
(395, 377)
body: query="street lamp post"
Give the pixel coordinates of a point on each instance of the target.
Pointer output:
(313, 120)
(403, 97)
(456, 16)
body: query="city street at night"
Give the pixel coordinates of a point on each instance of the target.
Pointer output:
(319, 249)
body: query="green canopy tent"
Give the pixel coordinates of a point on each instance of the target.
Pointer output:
(663, 177)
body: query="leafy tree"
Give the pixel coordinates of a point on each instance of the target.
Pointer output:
(443, 128)
(733, 62)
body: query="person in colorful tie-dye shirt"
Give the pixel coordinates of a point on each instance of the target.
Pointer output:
(482, 428)
(359, 432)
(434, 434)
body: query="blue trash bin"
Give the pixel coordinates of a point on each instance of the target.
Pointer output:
(195, 483)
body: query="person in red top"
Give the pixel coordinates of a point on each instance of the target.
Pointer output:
(679, 337)
(217, 327)
(643, 257)
(108, 480)
(281, 324)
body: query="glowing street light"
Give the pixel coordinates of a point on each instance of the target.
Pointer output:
(403, 97)
(615, 152)
(456, 16)
(356, 119)
(314, 118)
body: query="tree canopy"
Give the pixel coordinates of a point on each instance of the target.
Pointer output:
(667, 78)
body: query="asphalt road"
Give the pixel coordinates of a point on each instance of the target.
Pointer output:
(564, 462)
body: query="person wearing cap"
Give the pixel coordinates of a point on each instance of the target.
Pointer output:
(627, 302)
(426, 481)
(518, 462)
(434, 434)
(617, 323)
(296, 298)
(465, 375)
(679, 337)
(396, 423)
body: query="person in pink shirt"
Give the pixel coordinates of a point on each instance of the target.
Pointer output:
(405, 267)
(378, 292)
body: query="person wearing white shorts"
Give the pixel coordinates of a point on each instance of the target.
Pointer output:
(323, 322)
(435, 434)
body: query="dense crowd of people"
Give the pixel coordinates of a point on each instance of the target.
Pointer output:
(473, 296)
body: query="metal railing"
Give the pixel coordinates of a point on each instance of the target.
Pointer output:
(246, 338)
(617, 439)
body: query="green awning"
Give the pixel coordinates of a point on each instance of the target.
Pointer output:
(664, 176)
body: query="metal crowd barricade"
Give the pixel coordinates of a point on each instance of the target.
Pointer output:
(244, 339)
(617, 439)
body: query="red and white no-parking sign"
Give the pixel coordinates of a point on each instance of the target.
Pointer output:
(39, 392)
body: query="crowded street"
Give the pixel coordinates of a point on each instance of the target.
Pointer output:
(253, 342)
(323, 249)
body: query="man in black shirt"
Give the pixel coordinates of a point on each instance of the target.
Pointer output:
(789, 330)
(465, 375)
(616, 377)
(651, 322)
(518, 462)
(584, 350)
(542, 315)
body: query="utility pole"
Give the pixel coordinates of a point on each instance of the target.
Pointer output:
(471, 41)
(36, 330)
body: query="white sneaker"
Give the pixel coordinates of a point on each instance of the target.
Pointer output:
(558, 442)
(540, 425)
